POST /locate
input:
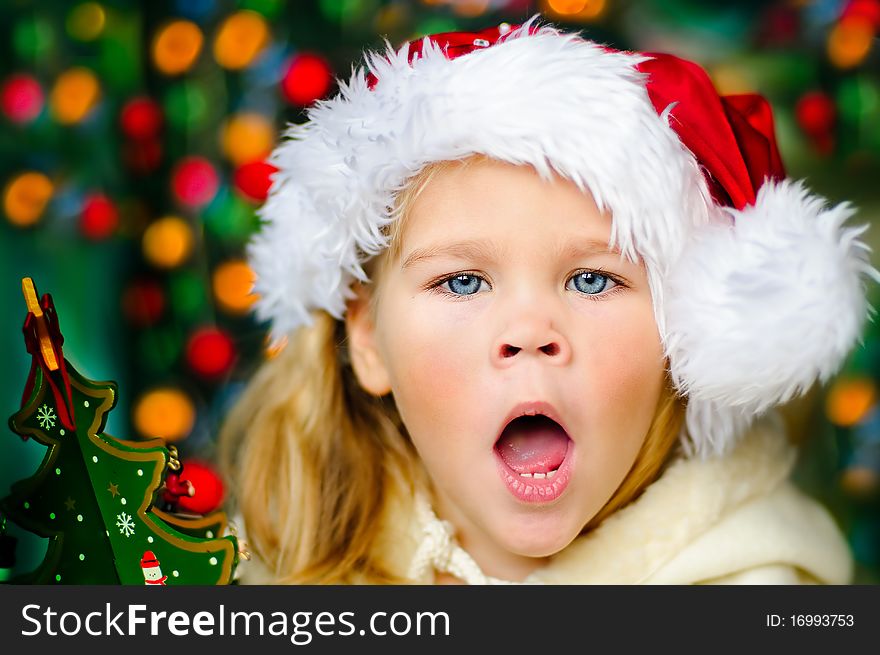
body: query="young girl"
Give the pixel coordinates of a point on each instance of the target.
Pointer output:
(541, 298)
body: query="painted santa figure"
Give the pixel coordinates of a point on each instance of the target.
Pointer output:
(152, 570)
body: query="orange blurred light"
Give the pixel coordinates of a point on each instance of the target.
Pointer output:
(26, 197)
(167, 242)
(240, 39)
(176, 47)
(75, 93)
(850, 41)
(247, 137)
(849, 401)
(579, 9)
(471, 8)
(166, 413)
(233, 283)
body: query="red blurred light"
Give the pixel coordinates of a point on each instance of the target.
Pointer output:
(141, 118)
(99, 218)
(816, 113)
(21, 98)
(254, 179)
(142, 157)
(194, 181)
(210, 352)
(143, 302)
(308, 79)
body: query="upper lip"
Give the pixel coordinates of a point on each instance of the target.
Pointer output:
(530, 408)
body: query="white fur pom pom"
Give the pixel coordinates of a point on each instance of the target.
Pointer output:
(756, 312)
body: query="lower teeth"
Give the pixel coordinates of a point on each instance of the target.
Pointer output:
(548, 474)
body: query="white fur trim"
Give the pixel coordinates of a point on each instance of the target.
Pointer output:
(551, 100)
(759, 309)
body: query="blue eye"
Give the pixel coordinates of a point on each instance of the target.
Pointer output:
(463, 284)
(591, 283)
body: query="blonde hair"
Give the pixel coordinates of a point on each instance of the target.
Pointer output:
(313, 460)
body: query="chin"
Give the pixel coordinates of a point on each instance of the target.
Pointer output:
(539, 538)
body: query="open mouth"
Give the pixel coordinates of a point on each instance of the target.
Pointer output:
(533, 454)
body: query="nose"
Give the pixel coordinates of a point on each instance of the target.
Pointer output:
(529, 337)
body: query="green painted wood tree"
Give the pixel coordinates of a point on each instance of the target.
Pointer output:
(93, 494)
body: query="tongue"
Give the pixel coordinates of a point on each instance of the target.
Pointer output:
(533, 444)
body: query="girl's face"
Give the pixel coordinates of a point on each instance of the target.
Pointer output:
(505, 301)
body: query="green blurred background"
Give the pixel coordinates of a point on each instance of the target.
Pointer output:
(133, 137)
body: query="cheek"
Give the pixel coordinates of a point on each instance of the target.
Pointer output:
(431, 362)
(627, 365)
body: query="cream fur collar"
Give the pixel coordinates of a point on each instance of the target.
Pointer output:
(688, 501)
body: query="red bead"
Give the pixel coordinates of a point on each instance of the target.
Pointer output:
(207, 486)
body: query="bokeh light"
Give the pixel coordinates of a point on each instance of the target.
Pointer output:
(850, 41)
(25, 198)
(194, 181)
(849, 401)
(254, 179)
(143, 302)
(21, 98)
(246, 137)
(233, 283)
(75, 93)
(177, 46)
(579, 9)
(141, 118)
(164, 412)
(99, 217)
(86, 21)
(240, 39)
(167, 242)
(186, 105)
(210, 352)
(307, 79)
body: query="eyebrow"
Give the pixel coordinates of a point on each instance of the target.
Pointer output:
(485, 251)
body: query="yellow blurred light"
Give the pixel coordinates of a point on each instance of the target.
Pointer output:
(731, 80)
(166, 413)
(233, 283)
(240, 39)
(167, 242)
(75, 93)
(850, 42)
(247, 137)
(471, 8)
(860, 481)
(578, 9)
(176, 47)
(849, 401)
(26, 198)
(86, 21)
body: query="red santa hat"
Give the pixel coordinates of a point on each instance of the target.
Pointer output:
(758, 287)
(149, 561)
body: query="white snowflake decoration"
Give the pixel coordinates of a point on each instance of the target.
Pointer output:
(46, 417)
(125, 524)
